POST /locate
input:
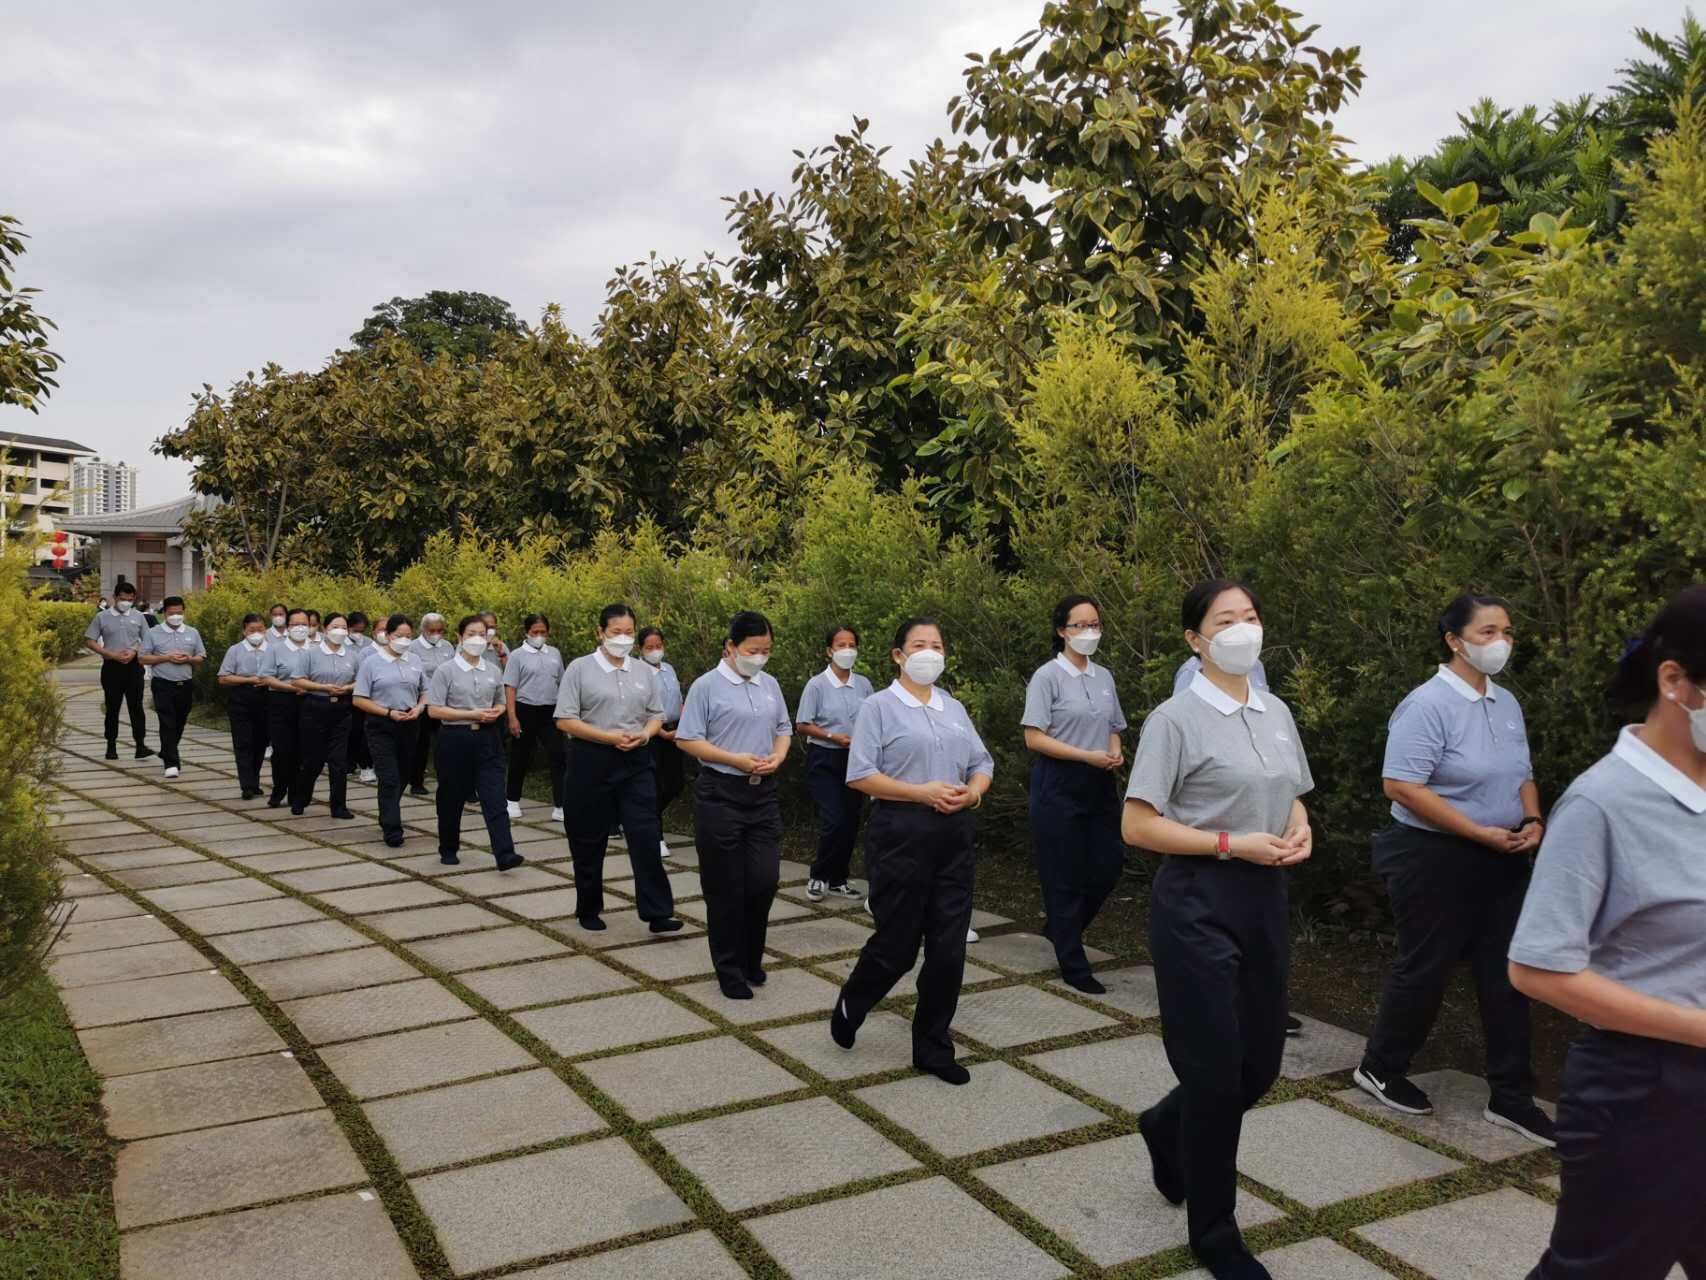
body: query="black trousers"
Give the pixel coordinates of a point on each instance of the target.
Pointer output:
(247, 711)
(1632, 1140)
(839, 809)
(1075, 841)
(360, 754)
(427, 728)
(538, 724)
(121, 682)
(284, 732)
(172, 699)
(669, 765)
(738, 828)
(921, 865)
(324, 744)
(614, 786)
(1454, 901)
(392, 743)
(471, 763)
(1217, 934)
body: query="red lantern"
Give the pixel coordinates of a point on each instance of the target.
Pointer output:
(61, 537)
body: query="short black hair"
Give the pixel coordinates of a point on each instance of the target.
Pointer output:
(462, 626)
(357, 616)
(1200, 599)
(1677, 634)
(313, 614)
(1062, 611)
(904, 631)
(746, 624)
(248, 618)
(278, 606)
(528, 621)
(1461, 612)
(646, 633)
(169, 601)
(611, 612)
(293, 613)
(837, 629)
(332, 617)
(123, 588)
(398, 620)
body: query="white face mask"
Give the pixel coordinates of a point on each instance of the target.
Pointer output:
(174, 620)
(1489, 659)
(1697, 722)
(1085, 642)
(924, 666)
(1237, 649)
(845, 658)
(473, 646)
(653, 656)
(618, 646)
(399, 644)
(535, 642)
(123, 606)
(337, 635)
(256, 638)
(434, 638)
(278, 625)
(750, 664)
(299, 633)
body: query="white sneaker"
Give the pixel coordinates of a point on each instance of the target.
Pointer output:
(267, 754)
(514, 809)
(663, 848)
(171, 771)
(556, 815)
(369, 777)
(971, 935)
(815, 890)
(845, 890)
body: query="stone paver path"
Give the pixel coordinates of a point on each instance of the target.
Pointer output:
(330, 1059)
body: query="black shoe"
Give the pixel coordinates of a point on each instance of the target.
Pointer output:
(1087, 984)
(1236, 1264)
(394, 839)
(274, 802)
(951, 1072)
(669, 924)
(419, 793)
(592, 924)
(736, 990)
(1292, 1026)
(297, 810)
(251, 795)
(449, 859)
(342, 813)
(842, 1029)
(1393, 1091)
(1167, 1179)
(142, 753)
(1522, 1116)
(757, 979)
(112, 752)
(510, 861)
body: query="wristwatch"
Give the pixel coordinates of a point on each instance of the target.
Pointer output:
(1223, 846)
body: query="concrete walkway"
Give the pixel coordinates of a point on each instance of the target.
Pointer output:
(331, 1060)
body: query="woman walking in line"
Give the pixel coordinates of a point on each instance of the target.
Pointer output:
(666, 756)
(608, 705)
(531, 678)
(390, 696)
(1455, 860)
(465, 696)
(1073, 722)
(284, 662)
(432, 651)
(1216, 786)
(362, 646)
(327, 679)
(735, 723)
(1613, 932)
(829, 704)
(243, 672)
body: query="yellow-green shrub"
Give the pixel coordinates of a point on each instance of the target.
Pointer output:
(63, 625)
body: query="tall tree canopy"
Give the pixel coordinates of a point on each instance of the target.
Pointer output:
(460, 323)
(27, 365)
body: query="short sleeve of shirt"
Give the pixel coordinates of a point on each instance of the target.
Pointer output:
(364, 681)
(654, 700)
(228, 664)
(807, 713)
(1117, 717)
(693, 713)
(439, 690)
(148, 644)
(867, 742)
(1415, 743)
(1305, 779)
(784, 727)
(93, 630)
(1039, 701)
(1158, 764)
(1567, 890)
(512, 676)
(568, 694)
(981, 761)
(199, 649)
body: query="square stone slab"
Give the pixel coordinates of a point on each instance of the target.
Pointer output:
(929, 1228)
(372, 1011)
(1131, 991)
(622, 928)
(267, 842)
(756, 1157)
(780, 910)
(346, 875)
(226, 1168)
(432, 922)
(550, 904)
(221, 893)
(1001, 1104)
(1320, 1048)
(1457, 1121)
(1487, 1237)
(480, 1118)
(696, 1256)
(113, 1002)
(487, 884)
(819, 937)
(261, 945)
(83, 885)
(341, 1237)
(104, 906)
(1318, 1156)
(682, 884)
(488, 947)
(178, 1042)
(788, 993)
(209, 1093)
(516, 986)
(292, 860)
(593, 1026)
(417, 1059)
(1132, 1073)
(385, 897)
(680, 1078)
(129, 860)
(151, 960)
(105, 935)
(614, 1194)
(885, 1044)
(181, 873)
(339, 971)
(1007, 1016)
(1024, 953)
(908, 985)
(1317, 1259)
(667, 963)
(269, 913)
(1100, 1199)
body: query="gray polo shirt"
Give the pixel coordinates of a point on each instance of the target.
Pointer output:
(1619, 886)
(902, 738)
(597, 692)
(162, 639)
(735, 714)
(831, 705)
(462, 687)
(394, 683)
(534, 674)
(115, 630)
(669, 692)
(1193, 664)
(432, 656)
(1212, 764)
(287, 660)
(1470, 750)
(1079, 708)
(244, 659)
(323, 666)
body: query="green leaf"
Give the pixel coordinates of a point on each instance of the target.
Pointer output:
(1461, 199)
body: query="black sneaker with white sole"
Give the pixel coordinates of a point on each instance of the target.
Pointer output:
(1392, 1091)
(1524, 1117)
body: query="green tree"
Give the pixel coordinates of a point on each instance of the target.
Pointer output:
(1648, 89)
(27, 365)
(459, 323)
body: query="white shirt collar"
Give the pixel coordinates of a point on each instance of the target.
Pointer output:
(829, 673)
(384, 651)
(606, 665)
(331, 652)
(1457, 684)
(462, 662)
(1656, 769)
(1065, 664)
(732, 676)
(1222, 701)
(907, 700)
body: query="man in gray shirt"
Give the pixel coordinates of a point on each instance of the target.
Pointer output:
(117, 634)
(173, 650)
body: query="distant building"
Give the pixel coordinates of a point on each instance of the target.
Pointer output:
(147, 547)
(37, 475)
(102, 488)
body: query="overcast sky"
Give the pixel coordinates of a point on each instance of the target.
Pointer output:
(212, 186)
